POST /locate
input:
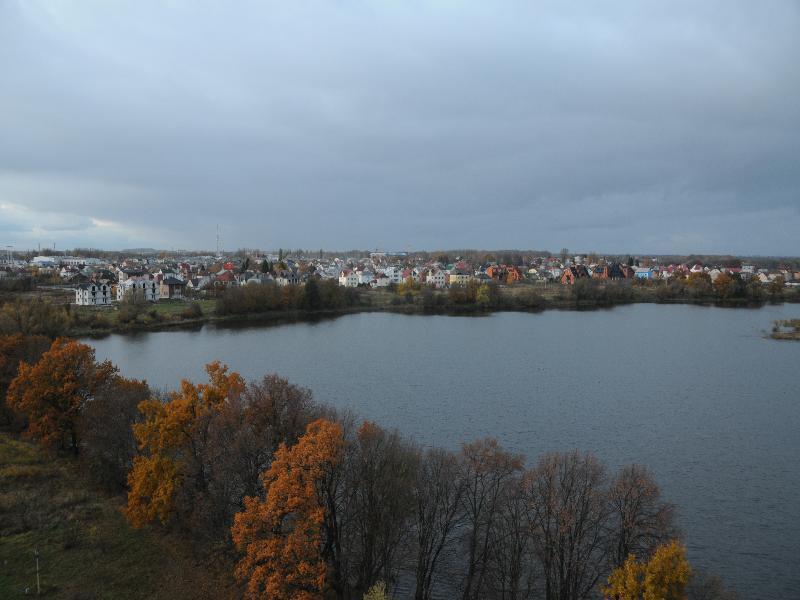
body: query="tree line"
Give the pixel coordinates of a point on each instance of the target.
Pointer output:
(325, 294)
(311, 502)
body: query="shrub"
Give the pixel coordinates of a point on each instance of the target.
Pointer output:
(128, 313)
(193, 311)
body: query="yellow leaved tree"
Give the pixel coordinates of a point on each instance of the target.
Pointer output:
(664, 577)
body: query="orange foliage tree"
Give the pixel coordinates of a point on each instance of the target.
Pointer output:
(290, 537)
(16, 349)
(172, 439)
(53, 392)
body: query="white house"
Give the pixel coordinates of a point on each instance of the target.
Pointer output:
(395, 274)
(93, 294)
(381, 280)
(146, 289)
(348, 278)
(365, 277)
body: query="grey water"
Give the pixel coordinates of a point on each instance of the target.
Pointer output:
(697, 394)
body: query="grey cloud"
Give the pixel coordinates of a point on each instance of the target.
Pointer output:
(653, 127)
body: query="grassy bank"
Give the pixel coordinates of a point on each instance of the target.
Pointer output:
(86, 548)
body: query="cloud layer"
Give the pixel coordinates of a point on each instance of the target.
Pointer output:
(614, 127)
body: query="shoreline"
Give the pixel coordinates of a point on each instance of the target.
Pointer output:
(309, 316)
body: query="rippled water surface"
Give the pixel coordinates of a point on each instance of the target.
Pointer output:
(697, 394)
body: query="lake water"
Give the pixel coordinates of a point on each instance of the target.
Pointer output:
(695, 393)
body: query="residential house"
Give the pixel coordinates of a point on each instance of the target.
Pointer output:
(436, 278)
(381, 280)
(459, 277)
(225, 279)
(614, 271)
(172, 288)
(69, 273)
(126, 273)
(141, 289)
(348, 278)
(395, 274)
(572, 273)
(199, 283)
(365, 276)
(93, 294)
(697, 268)
(287, 277)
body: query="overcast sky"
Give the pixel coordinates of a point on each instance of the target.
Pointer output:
(663, 127)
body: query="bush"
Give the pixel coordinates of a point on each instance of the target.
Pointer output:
(193, 311)
(34, 317)
(128, 313)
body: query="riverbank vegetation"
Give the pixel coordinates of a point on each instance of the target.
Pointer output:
(32, 314)
(786, 329)
(298, 500)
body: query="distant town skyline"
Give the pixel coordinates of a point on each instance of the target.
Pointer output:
(658, 128)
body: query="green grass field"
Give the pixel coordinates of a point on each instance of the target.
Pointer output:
(86, 548)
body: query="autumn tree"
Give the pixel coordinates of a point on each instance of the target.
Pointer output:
(724, 286)
(664, 577)
(53, 393)
(483, 295)
(16, 349)
(377, 592)
(172, 476)
(290, 537)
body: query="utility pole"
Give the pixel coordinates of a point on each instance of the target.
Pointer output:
(38, 587)
(217, 239)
